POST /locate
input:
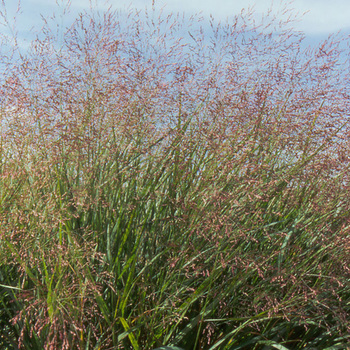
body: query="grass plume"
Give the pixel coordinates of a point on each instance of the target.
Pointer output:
(174, 181)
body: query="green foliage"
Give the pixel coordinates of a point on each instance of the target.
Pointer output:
(153, 196)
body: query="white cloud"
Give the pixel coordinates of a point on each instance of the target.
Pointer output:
(324, 16)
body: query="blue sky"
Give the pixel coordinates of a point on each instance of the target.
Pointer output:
(322, 17)
(318, 18)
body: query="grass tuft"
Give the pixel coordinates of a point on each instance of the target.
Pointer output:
(160, 190)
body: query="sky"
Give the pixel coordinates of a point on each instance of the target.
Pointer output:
(321, 17)
(318, 18)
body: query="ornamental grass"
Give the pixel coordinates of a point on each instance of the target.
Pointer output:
(174, 181)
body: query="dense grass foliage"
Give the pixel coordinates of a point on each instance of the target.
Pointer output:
(167, 181)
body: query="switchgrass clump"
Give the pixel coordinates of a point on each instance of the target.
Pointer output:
(174, 181)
